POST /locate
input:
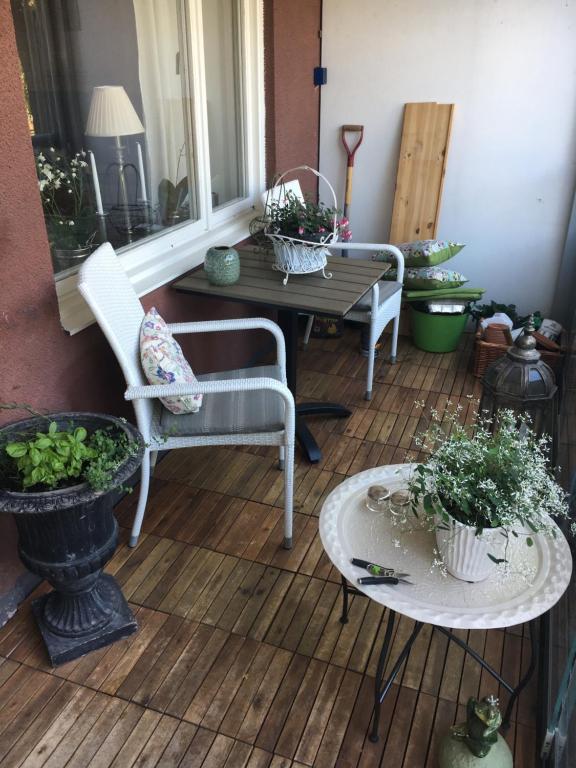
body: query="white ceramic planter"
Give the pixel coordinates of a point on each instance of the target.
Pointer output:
(465, 554)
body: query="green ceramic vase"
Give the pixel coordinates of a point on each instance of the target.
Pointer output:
(455, 754)
(222, 265)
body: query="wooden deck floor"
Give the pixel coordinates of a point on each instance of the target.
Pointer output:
(240, 660)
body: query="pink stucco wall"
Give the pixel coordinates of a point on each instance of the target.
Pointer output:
(292, 50)
(47, 368)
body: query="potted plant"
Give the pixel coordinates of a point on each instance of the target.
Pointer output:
(69, 214)
(299, 228)
(306, 221)
(58, 474)
(480, 488)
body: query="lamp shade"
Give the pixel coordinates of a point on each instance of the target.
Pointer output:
(112, 113)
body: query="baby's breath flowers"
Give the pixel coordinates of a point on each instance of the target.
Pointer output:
(64, 192)
(488, 480)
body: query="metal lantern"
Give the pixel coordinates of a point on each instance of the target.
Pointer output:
(522, 382)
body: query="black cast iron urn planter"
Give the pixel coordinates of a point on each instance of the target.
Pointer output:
(66, 536)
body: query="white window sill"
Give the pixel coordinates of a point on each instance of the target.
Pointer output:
(153, 264)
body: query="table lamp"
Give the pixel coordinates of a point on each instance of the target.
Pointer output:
(112, 114)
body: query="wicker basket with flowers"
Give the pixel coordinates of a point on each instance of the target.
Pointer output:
(300, 230)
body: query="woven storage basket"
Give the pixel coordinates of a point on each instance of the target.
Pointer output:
(486, 353)
(294, 256)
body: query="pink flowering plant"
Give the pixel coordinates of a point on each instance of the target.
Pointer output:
(305, 220)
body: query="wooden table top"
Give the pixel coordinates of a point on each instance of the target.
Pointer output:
(260, 284)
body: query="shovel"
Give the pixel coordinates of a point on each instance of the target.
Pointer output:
(350, 152)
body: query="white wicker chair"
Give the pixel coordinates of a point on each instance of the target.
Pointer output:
(250, 406)
(380, 306)
(376, 310)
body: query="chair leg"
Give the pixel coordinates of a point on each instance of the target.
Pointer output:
(142, 499)
(281, 452)
(153, 459)
(395, 338)
(308, 330)
(288, 494)
(370, 372)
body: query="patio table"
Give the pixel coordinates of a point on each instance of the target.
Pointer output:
(259, 284)
(538, 577)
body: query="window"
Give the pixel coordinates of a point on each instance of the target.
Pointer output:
(146, 118)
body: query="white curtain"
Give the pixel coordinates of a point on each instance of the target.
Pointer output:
(157, 31)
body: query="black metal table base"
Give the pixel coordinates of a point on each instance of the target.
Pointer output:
(382, 687)
(305, 438)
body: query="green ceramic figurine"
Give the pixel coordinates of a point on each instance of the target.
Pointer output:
(476, 743)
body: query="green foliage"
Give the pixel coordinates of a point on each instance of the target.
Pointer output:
(59, 458)
(111, 449)
(172, 200)
(489, 310)
(485, 478)
(305, 220)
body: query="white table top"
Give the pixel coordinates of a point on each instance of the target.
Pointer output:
(537, 576)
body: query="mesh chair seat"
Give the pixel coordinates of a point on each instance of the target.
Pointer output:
(230, 412)
(387, 289)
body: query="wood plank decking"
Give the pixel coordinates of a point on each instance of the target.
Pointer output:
(240, 660)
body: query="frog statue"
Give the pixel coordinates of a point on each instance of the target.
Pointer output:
(476, 743)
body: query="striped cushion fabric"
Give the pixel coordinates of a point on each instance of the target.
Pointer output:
(231, 412)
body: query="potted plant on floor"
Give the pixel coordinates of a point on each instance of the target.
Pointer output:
(58, 474)
(480, 489)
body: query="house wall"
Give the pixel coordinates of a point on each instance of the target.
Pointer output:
(292, 50)
(51, 370)
(509, 68)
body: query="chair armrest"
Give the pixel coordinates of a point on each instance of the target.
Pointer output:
(239, 324)
(396, 252)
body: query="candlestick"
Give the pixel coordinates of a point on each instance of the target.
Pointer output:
(141, 172)
(97, 194)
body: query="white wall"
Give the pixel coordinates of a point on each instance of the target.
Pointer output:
(509, 66)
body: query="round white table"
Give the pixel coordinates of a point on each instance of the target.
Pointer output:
(534, 581)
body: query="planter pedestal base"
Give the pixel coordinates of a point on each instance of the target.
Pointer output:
(61, 649)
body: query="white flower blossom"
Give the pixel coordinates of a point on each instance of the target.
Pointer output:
(487, 479)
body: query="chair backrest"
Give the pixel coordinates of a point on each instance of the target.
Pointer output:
(109, 293)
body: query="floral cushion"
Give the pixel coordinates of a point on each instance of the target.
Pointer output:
(424, 253)
(163, 362)
(428, 278)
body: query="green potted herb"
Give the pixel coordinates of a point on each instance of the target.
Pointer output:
(58, 475)
(479, 488)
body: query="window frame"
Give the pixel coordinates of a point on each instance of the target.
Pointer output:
(167, 255)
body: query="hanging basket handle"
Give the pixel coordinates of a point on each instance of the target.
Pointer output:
(279, 182)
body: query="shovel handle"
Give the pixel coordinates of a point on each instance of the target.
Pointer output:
(351, 151)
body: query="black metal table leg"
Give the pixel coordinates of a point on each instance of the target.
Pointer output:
(288, 321)
(380, 692)
(524, 681)
(380, 674)
(382, 688)
(344, 617)
(322, 409)
(513, 691)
